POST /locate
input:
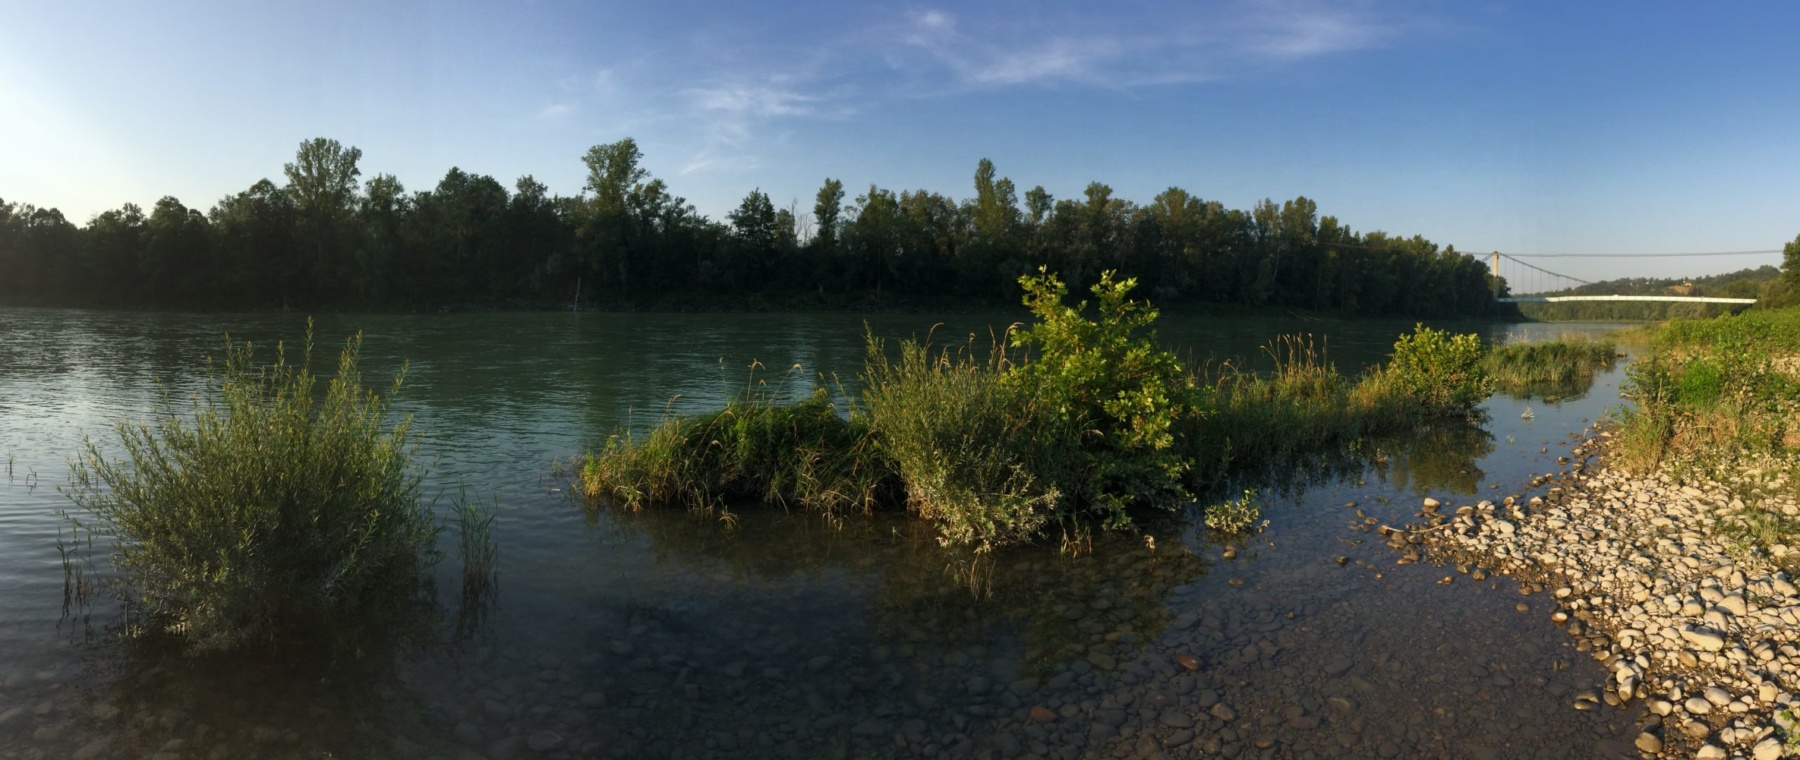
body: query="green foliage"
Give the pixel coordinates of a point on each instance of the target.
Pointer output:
(1563, 367)
(1710, 392)
(979, 460)
(1235, 517)
(627, 241)
(805, 455)
(1443, 372)
(1107, 379)
(273, 515)
(1079, 421)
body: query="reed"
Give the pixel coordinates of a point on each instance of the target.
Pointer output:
(979, 461)
(1549, 369)
(478, 547)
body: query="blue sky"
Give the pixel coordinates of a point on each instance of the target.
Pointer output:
(1529, 128)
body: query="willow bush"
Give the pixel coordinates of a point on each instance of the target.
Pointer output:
(268, 514)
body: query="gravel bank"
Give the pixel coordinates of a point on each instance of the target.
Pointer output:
(1652, 580)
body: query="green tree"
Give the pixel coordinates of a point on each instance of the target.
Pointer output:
(756, 227)
(828, 212)
(323, 176)
(323, 182)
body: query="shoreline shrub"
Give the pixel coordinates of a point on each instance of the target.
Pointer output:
(1443, 372)
(270, 515)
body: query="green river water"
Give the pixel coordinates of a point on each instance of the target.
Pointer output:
(670, 636)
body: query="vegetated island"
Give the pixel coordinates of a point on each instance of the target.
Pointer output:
(327, 239)
(1071, 424)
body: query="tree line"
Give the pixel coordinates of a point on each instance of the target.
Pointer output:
(325, 237)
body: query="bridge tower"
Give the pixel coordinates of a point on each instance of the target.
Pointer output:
(1495, 266)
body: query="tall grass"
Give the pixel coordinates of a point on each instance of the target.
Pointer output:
(1251, 423)
(812, 455)
(1563, 367)
(979, 461)
(267, 515)
(479, 549)
(1710, 393)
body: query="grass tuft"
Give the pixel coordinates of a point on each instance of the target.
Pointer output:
(478, 548)
(806, 455)
(1551, 369)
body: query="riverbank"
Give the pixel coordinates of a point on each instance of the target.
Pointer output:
(1654, 579)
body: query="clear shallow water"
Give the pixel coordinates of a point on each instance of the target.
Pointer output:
(665, 635)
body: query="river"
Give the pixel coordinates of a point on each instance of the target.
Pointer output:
(671, 636)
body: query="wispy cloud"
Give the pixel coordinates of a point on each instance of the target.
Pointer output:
(556, 111)
(1199, 42)
(731, 115)
(1294, 30)
(733, 88)
(752, 101)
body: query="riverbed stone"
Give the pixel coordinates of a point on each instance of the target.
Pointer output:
(1705, 639)
(1767, 749)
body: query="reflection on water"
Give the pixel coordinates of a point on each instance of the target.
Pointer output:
(667, 635)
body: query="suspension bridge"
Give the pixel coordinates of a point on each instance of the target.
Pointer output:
(1529, 283)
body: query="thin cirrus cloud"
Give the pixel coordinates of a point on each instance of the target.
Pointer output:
(732, 114)
(926, 52)
(1195, 43)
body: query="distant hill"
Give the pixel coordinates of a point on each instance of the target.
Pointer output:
(1744, 283)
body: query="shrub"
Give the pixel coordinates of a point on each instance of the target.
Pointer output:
(1442, 372)
(1107, 380)
(270, 516)
(805, 454)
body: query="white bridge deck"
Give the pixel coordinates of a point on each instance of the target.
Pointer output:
(1562, 299)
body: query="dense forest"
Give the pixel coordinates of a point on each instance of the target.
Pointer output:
(1761, 282)
(325, 238)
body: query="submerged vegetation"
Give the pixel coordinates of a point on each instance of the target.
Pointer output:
(276, 515)
(1234, 517)
(1071, 423)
